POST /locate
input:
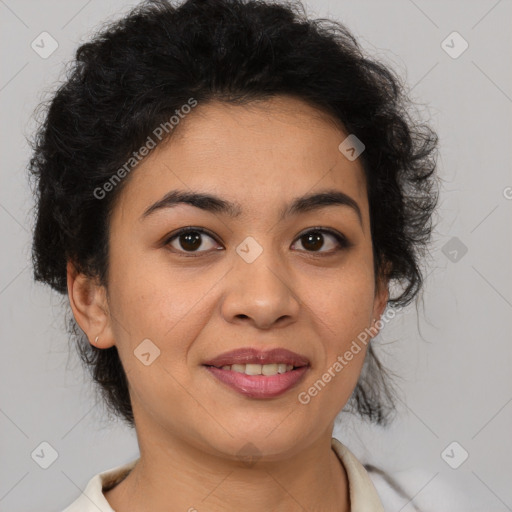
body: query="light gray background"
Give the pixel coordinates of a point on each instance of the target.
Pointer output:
(454, 356)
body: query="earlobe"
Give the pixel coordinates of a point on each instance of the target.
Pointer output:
(90, 308)
(380, 303)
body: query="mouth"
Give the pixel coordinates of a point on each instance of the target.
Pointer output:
(259, 369)
(258, 374)
(253, 358)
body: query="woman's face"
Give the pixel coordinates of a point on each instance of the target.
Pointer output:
(254, 280)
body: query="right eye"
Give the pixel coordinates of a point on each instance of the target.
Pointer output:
(189, 240)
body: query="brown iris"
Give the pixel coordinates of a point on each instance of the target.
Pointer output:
(313, 240)
(190, 241)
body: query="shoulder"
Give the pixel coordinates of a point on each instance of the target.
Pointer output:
(418, 489)
(92, 498)
(363, 494)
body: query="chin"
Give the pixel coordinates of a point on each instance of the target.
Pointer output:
(253, 444)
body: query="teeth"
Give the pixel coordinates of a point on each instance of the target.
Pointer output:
(281, 368)
(253, 369)
(269, 369)
(259, 369)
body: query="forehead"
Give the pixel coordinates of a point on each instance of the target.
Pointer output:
(262, 152)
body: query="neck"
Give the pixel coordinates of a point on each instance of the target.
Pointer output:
(181, 477)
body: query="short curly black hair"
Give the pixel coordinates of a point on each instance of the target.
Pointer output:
(136, 72)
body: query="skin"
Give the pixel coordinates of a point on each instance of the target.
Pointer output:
(190, 426)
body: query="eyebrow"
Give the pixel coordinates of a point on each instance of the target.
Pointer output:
(214, 204)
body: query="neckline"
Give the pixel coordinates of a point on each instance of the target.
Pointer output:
(361, 491)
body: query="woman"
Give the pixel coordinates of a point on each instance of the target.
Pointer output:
(226, 191)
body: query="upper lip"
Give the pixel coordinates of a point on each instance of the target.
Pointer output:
(255, 356)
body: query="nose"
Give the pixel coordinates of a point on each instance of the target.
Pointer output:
(260, 293)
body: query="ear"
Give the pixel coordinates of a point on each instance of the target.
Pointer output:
(90, 307)
(381, 297)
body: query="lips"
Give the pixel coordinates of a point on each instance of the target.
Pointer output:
(259, 374)
(245, 356)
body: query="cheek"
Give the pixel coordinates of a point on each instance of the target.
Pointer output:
(342, 310)
(169, 313)
(151, 305)
(147, 293)
(342, 302)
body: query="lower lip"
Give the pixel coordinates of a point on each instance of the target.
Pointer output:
(259, 386)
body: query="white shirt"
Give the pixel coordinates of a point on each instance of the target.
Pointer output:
(363, 495)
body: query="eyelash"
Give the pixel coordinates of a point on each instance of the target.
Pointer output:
(341, 239)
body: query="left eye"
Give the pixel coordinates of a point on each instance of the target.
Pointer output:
(313, 240)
